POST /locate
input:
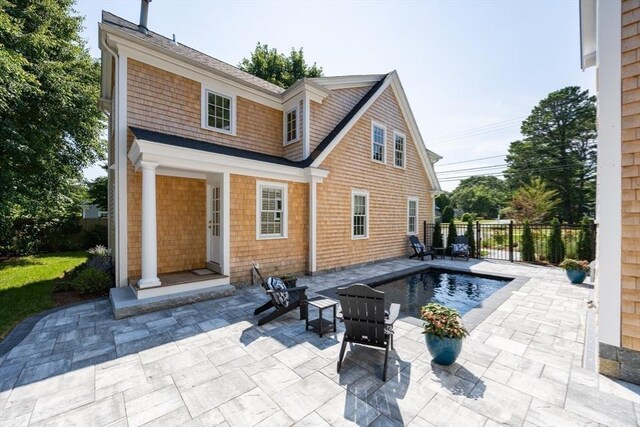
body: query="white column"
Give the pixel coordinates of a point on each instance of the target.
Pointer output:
(149, 229)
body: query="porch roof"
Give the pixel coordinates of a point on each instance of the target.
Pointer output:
(210, 147)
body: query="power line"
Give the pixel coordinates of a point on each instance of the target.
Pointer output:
(476, 168)
(470, 161)
(471, 135)
(471, 130)
(541, 169)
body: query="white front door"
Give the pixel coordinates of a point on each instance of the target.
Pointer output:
(215, 228)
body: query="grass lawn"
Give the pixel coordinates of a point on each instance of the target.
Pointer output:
(26, 285)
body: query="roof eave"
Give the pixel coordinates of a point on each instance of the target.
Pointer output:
(110, 29)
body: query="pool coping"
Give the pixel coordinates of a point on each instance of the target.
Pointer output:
(473, 317)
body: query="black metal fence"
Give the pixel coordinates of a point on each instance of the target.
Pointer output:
(502, 241)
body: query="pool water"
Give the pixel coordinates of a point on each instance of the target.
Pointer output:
(455, 290)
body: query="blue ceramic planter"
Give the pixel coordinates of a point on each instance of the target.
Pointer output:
(576, 276)
(444, 351)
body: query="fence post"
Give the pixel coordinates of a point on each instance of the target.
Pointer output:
(511, 240)
(478, 238)
(424, 232)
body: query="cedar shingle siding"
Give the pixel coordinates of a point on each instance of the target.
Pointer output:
(352, 168)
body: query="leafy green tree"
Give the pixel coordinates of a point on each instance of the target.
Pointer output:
(447, 215)
(527, 245)
(443, 200)
(275, 67)
(98, 191)
(559, 147)
(50, 124)
(585, 240)
(437, 241)
(555, 245)
(480, 195)
(532, 202)
(451, 236)
(470, 233)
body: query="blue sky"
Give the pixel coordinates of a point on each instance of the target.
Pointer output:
(472, 70)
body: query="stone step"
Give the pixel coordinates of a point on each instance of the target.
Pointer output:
(125, 304)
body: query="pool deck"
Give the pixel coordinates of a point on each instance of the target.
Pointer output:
(209, 364)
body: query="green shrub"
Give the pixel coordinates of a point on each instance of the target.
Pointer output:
(451, 237)
(527, 249)
(466, 217)
(97, 236)
(447, 215)
(437, 240)
(555, 245)
(585, 240)
(471, 236)
(90, 280)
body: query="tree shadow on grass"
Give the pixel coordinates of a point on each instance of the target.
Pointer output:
(18, 303)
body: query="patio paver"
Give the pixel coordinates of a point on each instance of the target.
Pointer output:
(208, 363)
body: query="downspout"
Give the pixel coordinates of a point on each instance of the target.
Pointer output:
(114, 167)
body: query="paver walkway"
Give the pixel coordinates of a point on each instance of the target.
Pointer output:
(208, 364)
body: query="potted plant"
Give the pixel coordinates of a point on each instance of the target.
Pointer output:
(443, 331)
(576, 270)
(289, 280)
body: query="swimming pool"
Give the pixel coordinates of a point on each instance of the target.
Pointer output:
(462, 291)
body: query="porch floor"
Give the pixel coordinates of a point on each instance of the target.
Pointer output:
(179, 278)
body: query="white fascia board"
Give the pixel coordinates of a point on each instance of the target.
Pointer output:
(184, 67)
(588, 33)
(199, 161)
(346, 82)
(304, 87)
(318, 161)
(414, 130)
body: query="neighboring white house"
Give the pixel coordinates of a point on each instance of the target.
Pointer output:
(92, 211)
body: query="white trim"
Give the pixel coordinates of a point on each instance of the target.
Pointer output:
(285, 125)
(306, 137)
(404, 149)
(409, 200)
(365, 193)
(306, 88)
(183, 66)
(204, 109)
(346, 82)
(609, 170)
(313, 219)
(122, 269)
(226, 223)
(285, 210)
(375, 124)
(204, 162)
(588, 33)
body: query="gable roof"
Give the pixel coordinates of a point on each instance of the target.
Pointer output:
(184, 52)
(391, 80)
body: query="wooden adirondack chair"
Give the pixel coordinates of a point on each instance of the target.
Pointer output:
(460, 252)
(420, 250)
(297, 299)
(366, 321)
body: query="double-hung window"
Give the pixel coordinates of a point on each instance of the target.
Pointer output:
(378, 137)
(359, 214)
(219, 112)
(291, 126)
(399, 149)
(271, 210)
(412, 215)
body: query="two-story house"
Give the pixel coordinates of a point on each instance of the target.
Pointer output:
(211, 167)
